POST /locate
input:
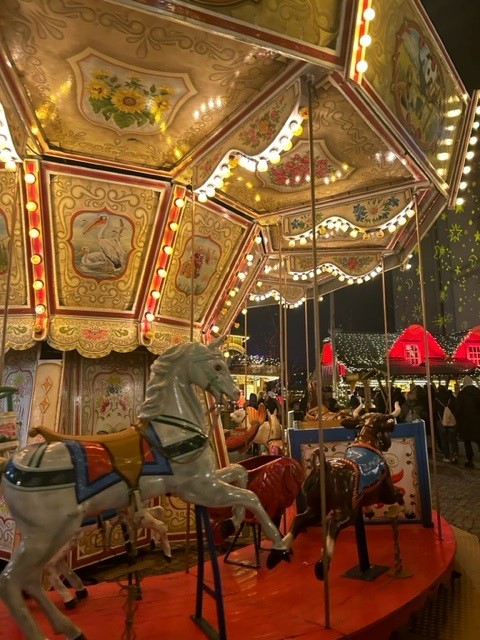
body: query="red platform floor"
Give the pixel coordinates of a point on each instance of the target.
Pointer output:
(285, 602)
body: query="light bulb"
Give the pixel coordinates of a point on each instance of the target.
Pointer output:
(361, 66)
(162, 273)
(29, 178)
(179, 202)
(369, 14)
(262, 165)
(149, 317)
(38, 284)
(173, 226)
(34, 233)
(31, 206)
(168, 249)
(365, 40)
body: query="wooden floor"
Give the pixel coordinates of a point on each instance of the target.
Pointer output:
(285, 602)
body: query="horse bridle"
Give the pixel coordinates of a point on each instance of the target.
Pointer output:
(195, 444)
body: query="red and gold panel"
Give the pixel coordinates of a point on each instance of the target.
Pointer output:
(100, 240)
(13, 263)
(202, 268)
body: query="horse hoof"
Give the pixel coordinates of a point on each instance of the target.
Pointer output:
(410, 515)
(82, 594)
(82, 636)
(70, 604)
(320, 570)
(167, 558)
(276, 556)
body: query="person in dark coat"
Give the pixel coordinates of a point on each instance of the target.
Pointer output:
(447, 434)
(467, 415)
(412, 409)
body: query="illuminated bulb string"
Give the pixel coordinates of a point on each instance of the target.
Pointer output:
(260, 162)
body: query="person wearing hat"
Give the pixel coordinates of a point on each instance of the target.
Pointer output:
(467, 415)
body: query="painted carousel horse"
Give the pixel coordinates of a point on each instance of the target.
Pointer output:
(275, 479)
(51, 487)
(247, 423)
(58, 570)
(357, 479)
(269, 436)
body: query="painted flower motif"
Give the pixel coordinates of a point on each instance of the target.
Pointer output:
(377, 210)
(298, 224)
(128, 103)
(95, 334)
(295, 169)
(354, 264)
(98, 89)
(262, 129)
(128, 100)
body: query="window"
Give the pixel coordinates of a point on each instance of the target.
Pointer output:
(473, 353)
(412, 354)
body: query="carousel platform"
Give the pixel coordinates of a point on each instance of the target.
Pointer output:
(285, 602)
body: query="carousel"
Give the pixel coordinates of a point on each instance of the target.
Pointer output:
(163, 167)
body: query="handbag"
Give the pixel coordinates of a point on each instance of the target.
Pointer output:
(448, 419)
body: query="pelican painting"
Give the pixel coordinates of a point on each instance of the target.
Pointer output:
(112, 252)
(92, 259)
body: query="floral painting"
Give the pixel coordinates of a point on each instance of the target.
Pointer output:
(375, 210)
(199, 267)
(293, 172)
(113, 402)
(126, 98)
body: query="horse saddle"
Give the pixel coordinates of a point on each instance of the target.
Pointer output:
(369, 466)
(124, 449)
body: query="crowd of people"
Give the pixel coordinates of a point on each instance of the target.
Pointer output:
(454, 417)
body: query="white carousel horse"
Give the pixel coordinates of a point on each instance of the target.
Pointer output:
(51, 487)
(269, 435)
(57, 570)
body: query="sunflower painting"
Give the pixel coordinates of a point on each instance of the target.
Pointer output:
(127, 98)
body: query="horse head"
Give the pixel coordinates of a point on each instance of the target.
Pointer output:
(374, 429)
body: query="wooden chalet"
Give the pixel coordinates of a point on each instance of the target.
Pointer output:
(363, 355)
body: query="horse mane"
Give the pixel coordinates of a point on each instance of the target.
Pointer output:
(161, 372)
(161, 377)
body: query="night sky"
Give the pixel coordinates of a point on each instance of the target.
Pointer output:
(360, 307)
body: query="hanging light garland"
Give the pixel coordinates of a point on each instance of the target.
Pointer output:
(335, 226)
(259, 162)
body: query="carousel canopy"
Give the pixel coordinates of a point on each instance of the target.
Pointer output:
(174, 160)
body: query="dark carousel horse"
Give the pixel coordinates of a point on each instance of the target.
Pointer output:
(357, 479)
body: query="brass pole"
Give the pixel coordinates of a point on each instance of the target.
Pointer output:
(281, 325)
(318, 349)
(427, 371)
(385, 329)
